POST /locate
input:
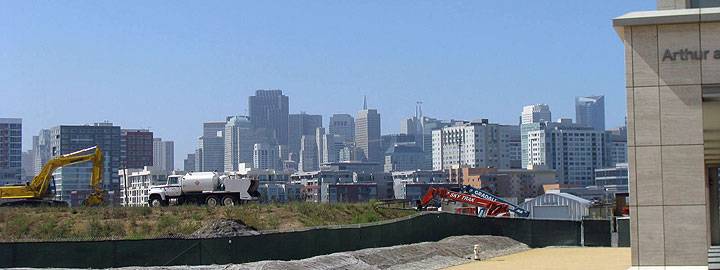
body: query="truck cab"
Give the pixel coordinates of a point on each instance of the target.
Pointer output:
(160, 194)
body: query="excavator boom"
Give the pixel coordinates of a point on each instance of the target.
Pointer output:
(494, 209)
(37, 189)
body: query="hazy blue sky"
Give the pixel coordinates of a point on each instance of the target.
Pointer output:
(170, 65)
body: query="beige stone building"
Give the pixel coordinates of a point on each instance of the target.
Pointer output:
(672, 58)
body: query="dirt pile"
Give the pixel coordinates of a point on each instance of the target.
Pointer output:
(224, 228)
(428, 255)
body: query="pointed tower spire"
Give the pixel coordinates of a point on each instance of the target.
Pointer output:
(364, 102)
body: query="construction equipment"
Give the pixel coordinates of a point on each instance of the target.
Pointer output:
(36, 191)
(492, 208)
(208, 188)
(517, 210)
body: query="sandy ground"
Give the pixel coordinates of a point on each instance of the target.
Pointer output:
(557, 258)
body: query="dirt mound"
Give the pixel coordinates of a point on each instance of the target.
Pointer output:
(224, 228)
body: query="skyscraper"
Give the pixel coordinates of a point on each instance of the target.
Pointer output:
(72, 183)
(264, 156)
(573, 151)
(210, 155)
(136, 148)
(477, 144)
(342, 125)
(269, 110)
(10, 150)
(367, 134)
(240, 138)
(537, 113)
(163, 154)
(533, 118)
(189, 163)
(308, 154)
(299, 125)
(41, 149)
(590, 112)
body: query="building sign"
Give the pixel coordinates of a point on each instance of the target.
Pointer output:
(686, 54)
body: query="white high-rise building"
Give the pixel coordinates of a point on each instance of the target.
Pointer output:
(536, 114)
(210, 155)
(533, 118)
(573, 151)
(264, 156)
(240, 139)
(472, 144)
(367, 134)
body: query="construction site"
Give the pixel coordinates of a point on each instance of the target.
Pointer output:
(207, 218)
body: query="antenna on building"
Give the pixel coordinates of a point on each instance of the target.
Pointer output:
(364, 102)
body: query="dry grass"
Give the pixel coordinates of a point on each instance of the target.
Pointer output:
(53, 223)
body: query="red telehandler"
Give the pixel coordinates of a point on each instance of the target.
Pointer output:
(493, 209)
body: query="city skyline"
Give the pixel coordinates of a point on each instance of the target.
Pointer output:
(175, 97)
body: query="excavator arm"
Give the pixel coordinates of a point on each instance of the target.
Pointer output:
(38, 187)
(494, 209)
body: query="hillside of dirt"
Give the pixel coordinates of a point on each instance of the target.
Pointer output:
(53, 223)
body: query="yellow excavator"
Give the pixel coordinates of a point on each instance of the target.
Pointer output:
(35, 192)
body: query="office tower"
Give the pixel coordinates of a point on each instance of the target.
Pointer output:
(264, 156)
(574, 151)
(10, 150)
(299, 125)
(72, 183)
(189, 163)
(342, 125)
(477, 144)
(533, 118)
(210, 155)
(590, 112)
(616, 147)
(240, 139)
(41, 149)
(404, 157)
(269, 110)
(163, 154)
(367, 134)
(308, 154)
(136, 148)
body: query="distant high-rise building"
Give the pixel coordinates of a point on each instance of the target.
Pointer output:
(163, 154)
(136, 148)
(590, 112)
(72, 183)
(264, 156)
(27, 165)
(532, 118)
(189, 163)
(574, 151)
(210, 155)
(240, 139)
(477, 144)
(367, 134)
(404, 157)
(41, 149)
(536, 114)
(269, 110)
(616, 147)
(342, 125)
(299, 125)
(308, 154)
(10, 150)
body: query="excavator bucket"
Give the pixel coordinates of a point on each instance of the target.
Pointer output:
(94, 199)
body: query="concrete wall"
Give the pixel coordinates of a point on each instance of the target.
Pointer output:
(665, 140)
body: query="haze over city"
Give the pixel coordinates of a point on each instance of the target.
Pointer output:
(171, 67)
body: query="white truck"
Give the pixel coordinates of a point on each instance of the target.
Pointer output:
(208, 188)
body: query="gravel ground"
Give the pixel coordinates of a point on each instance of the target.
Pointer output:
(448, 252)
(224, 228)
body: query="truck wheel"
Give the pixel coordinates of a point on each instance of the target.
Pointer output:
(156, 202)
(228, 200)
(212, 201)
